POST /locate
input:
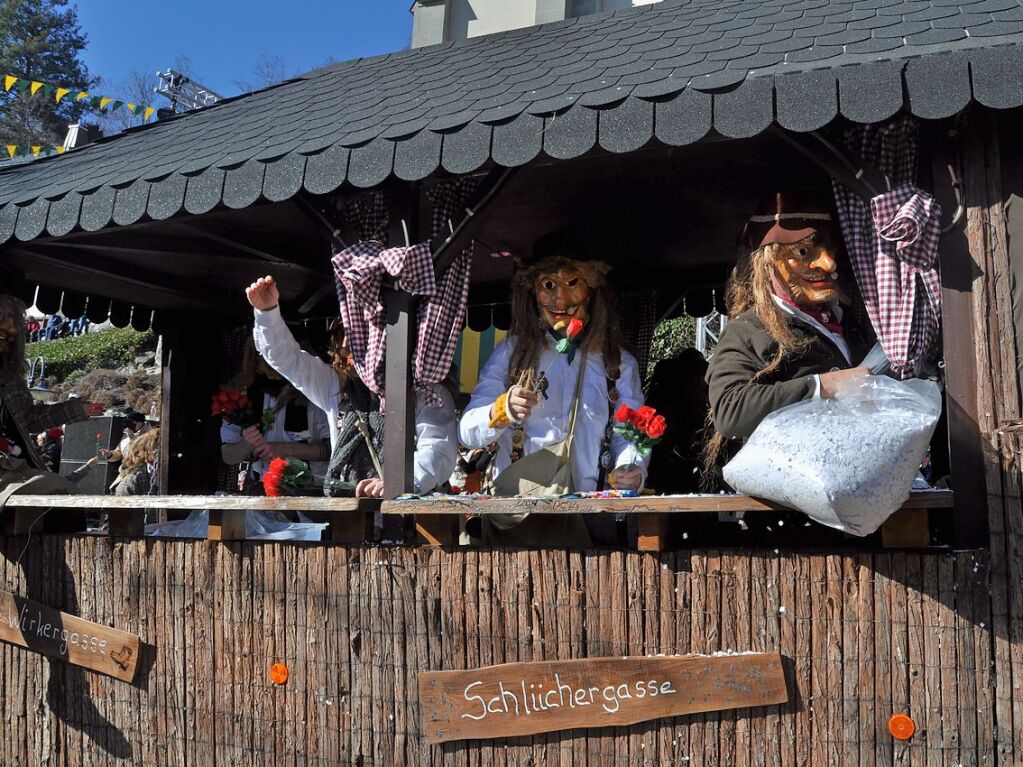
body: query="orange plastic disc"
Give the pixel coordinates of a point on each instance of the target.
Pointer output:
(901, 727)
(279, 673)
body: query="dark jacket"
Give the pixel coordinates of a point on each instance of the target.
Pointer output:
(737, 402)
(25, 417)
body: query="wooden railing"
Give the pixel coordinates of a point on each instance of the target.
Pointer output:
(436, 519)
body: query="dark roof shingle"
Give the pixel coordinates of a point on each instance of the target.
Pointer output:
(672, 70)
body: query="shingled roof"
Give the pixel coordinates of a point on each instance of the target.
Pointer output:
(671, 71)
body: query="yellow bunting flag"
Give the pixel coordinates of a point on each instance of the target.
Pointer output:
(12, 149)
(34, 88)
(148, 113)
(131, 107)
(9, 81)
(61, 149)
(61, 93)
(81, 95)
(36, 150)
(104, 101)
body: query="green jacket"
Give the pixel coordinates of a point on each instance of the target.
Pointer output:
(738, 403)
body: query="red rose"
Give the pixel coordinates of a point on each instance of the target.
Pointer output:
(274, 476)
(641, 418)
(624, 413)
(575, 327)
(656, 428)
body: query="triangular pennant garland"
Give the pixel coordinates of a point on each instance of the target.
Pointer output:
(106, 103)
(61, 93)
(34, 87)
(12, 149)
(9, 81)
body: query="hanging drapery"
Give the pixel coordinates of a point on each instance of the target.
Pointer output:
(360, 270)
(893, 245)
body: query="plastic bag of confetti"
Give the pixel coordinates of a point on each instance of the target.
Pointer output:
(847, 462)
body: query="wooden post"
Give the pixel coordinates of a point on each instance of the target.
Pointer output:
(401, 403)
(958, 274)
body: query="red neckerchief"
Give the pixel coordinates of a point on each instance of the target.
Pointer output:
(825, 317)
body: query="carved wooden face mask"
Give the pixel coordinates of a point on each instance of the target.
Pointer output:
(809, 270)
(562, 294)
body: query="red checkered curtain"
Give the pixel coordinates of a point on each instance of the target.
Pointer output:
(893, 245)
(360, 270)
(443, 315)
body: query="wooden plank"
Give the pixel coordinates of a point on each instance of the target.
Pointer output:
(934, 654)
(979, 572)
(866, 627)
(729, 642)
(818, 702)
(899, 652)
(194, 502)
(437, 530)
(550, 696)
(916, 657)
(918, 499)
(966, 672)
(949, 659)
(67, 637)
(882, 692)
(226, 525)
(832, 618)
(653, 532)
(906, 529)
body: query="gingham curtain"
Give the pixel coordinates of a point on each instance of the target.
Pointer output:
(360, 269)
(893, 245)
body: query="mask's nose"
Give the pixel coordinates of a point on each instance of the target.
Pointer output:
(824, 261)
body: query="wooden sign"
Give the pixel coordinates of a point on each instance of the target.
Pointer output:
(68, 637)
(527, 698)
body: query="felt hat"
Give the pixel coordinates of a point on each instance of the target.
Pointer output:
(786, 217)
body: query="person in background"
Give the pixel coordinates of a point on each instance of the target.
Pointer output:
(54, 324)
(134, 427)
(137, 475)
(346, 400)
(298, 429)
(32, 330)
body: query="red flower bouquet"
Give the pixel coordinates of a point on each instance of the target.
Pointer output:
(642, 427)
(288, 476)
(236, 407)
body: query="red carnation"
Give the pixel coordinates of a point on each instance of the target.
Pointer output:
(273, 477)
(656, 428)
(575, 327)
(624, 413)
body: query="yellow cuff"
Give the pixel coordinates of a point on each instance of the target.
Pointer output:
(502, 417)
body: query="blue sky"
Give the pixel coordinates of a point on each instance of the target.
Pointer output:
(224, 39)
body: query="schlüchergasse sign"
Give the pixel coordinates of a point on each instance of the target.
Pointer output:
(528, 698)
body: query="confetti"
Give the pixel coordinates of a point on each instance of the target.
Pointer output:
(810, 456)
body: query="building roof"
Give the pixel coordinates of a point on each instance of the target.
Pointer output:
(671, 71)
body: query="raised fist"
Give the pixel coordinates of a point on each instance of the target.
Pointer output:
(263, 293)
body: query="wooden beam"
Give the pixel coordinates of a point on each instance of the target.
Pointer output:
(149, 291)
(399, 444)
(447, 244)
(194, 502)
(958, 275)
(918, 499)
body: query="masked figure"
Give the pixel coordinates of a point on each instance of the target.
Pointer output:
(788, 339)
(562, 366)
(353, 412)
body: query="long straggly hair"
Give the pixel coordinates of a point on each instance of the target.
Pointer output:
(140, 451)
(602, 334)
(750, 286)
(14, 361)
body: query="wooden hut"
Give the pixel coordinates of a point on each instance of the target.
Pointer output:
(653, 131)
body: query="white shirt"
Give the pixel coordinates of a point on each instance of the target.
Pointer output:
(548, 421)
(318, 431)
(436, 447)
(837, 340)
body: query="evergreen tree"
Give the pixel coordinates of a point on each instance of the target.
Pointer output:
(40, 40)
